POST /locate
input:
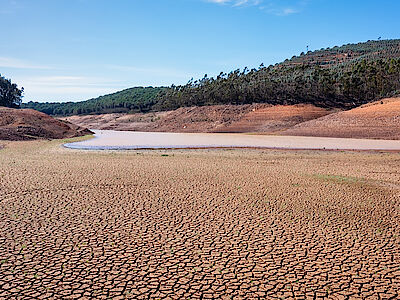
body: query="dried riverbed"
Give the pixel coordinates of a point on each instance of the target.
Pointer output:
(198, 223)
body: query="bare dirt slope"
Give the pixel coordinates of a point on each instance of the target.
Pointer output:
(260, 118)
(271, 119)
(116, 121)
(377, 120)
(29, 124)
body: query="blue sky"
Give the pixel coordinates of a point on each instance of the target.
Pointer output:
(61, 50)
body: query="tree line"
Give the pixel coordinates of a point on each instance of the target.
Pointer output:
(10, 94)
(138, 99)
(363, 82)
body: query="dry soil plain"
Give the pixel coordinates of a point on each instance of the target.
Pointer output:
(198, 223)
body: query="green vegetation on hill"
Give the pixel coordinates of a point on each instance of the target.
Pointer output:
(345, 56)
(338, 77)
(342, 77)
(138, 99)
(366, 81)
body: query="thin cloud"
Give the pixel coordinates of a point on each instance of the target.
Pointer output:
(70, 81)
(8, 7)
(285, 11)
(289, 11)
(273, 7)
(237, 3)
(149, 71)
(219, 1)
(67, 88)
(284, 7)
(13, 63)
(66, 93)
(71, 87)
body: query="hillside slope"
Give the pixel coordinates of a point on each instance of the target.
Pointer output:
(28, 124)
(272, 119)
(260, 118)
(377, 120)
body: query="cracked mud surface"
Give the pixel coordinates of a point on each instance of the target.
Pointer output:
(198, 224)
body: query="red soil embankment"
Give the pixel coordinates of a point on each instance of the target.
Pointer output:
(376, 120)
(272, 119)
(29, 124)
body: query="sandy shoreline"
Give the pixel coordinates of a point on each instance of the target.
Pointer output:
(128, 140)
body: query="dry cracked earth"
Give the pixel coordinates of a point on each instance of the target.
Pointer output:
(198, 224)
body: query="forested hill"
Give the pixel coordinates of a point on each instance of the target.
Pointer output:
(348, 55)
(138, 99)
(338, 77)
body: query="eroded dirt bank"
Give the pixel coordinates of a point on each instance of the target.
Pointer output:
(377, 120)
(29, 124)
(198, 224)
(259, 118)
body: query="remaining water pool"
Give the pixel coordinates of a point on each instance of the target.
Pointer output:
(124, 140)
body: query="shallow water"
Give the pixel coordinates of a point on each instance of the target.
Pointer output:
(123, 140)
